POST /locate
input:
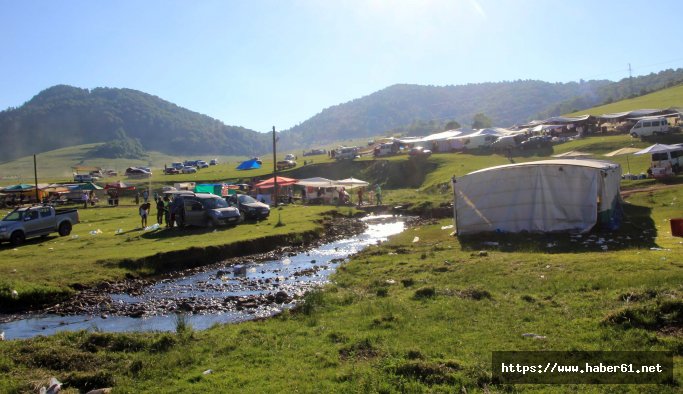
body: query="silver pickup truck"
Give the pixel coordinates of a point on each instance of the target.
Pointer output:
(36, 221)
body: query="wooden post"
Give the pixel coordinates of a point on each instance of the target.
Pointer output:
(274, 168)
(35, 175)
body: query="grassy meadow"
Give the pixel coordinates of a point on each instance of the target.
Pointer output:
(419, 313)
(103, 245)
(409, 316)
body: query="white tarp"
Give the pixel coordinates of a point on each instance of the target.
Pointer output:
(351, 183)
(315, 182)
(541, 196)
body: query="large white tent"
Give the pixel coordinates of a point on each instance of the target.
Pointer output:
(540, 196)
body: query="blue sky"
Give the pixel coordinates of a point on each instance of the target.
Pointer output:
(260, 64)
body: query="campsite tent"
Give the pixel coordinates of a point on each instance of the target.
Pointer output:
(219, 189)
(539, 196)
(281, 181)
(657, 148)
(351, 183)
(119, 186)
(315, 182)
(249, 164)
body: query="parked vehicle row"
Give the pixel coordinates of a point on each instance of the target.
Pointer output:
(209, 210)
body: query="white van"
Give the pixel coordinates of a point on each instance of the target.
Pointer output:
(650, 126)
(665, 164)
(346, 153)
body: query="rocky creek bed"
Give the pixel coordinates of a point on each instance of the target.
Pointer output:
(234, 289)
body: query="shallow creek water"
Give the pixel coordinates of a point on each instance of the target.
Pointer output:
(223, 294)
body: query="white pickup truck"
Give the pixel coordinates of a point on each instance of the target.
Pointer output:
(36, 221)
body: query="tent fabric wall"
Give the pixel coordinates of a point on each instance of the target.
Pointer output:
(543, 196)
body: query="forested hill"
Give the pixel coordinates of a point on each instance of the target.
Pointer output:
(416, 108)
(505, 103)
(63, 116)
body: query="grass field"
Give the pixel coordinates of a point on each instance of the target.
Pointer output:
(56, 166)
(407, 317)
(43, 269)
(403, 316)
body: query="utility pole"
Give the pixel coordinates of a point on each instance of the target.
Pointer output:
(35, 175)
(274, 168)
(630, 80)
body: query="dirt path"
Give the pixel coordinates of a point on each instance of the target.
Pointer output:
(652, 188)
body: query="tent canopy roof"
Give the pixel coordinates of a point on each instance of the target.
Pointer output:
(281, 181)
(351, 183)
(658, 148)
(315, 182)
(599, 164)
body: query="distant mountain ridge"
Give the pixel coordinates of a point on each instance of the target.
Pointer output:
(63, 116)
(506, 103)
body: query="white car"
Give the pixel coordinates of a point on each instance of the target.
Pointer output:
(188, 170)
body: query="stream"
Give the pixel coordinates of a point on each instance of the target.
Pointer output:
(223, 294)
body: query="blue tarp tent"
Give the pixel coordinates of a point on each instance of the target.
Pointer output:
(249, 165)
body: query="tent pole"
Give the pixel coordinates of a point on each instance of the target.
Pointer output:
(455, 206)
(274, 169)
(35, 174)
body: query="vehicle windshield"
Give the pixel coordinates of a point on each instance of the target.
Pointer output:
(14, 216)
(244, 199)
(215, 203)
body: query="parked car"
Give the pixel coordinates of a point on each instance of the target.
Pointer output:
(213, 162)
(248, 206)
(285, 164)
(83, 178)
(290, 157)
(177, 165)
(190, 163)
(535, 142)
(189, 170)
(135, 172)
(419, 151)
(36, 221)
(171, 171)
(204, 210)
(314, 152)
(202, 164)
(346, 153)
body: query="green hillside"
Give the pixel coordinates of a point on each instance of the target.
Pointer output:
(670, 97)
(64, 116)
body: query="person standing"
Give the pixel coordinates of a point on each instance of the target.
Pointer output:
(378, 194)
(167, 211)
(145, 195)
(137, 198)
(85, 199)
(144, 211)
(360, 196)
(160, 210)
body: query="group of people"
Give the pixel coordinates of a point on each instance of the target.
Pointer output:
(165, 211)
(344, 198)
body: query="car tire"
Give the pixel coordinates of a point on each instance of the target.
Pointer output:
(64, 229)
(17, 238)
